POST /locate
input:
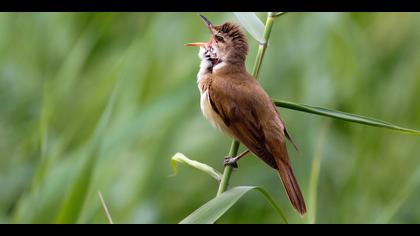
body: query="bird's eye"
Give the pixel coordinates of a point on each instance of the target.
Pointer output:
(219, 38)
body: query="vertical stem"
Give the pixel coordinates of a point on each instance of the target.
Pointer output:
(228, 169)
(255, 72)
(262, 47)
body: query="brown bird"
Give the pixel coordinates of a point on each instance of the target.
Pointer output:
(235, 103)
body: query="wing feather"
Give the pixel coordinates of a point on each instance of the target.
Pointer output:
(260, 128)
(242, 121)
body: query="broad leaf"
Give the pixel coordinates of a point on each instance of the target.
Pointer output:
(181, 158)
(253, 24)
(344, 116)
(215, 208)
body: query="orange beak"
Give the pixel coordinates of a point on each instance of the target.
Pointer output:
(196, 44)
(209, 25)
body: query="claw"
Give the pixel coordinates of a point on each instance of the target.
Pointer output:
(231, 161)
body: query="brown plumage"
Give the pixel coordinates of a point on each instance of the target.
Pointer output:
(234, 102)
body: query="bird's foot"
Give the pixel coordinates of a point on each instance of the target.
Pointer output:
(231, 161)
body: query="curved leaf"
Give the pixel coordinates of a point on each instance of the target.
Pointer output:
(253, 24)
(344, 116)
(215, 208)
(181, 158)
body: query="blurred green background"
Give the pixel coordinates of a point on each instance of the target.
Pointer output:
(100, 102)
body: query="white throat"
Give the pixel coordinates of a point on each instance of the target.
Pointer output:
(206, 64)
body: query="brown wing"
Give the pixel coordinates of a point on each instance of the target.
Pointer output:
(286, 133)
(249, 115)
(236, 107)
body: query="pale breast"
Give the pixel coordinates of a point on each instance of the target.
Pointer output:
(209, 113)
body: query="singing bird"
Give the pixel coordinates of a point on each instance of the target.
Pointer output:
(236, 104)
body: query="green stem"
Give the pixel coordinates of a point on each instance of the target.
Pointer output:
(255, 72)
(263, 47)
(228, 169)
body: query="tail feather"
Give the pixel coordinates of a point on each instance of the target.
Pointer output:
(292, 187)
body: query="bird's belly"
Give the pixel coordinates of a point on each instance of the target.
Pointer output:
(211, 115)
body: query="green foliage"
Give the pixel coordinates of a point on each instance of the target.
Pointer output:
(73, 203)
(181, 158)
(252, 24)
(58, 71)
(345, 116)
(215, 208)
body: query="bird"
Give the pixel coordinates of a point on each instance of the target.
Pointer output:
(236, 104)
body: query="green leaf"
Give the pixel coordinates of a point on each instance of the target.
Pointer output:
(181, 158)
(45, 159)
(314, 177)
(275, 14)
(215, 208)
(400, 199)
(253, 24)
(74, 202)
(345, 116)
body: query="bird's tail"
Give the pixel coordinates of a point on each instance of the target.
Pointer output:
(291, 186)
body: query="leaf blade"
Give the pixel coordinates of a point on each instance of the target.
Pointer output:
(253, 24)
(314, 176)
(276, 14)
(344, 116)
(74, 202)
(181, 158)
(218, 206)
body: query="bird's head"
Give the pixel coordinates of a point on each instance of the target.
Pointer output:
(227, 44)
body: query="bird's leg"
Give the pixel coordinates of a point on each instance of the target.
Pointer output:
(231, 161)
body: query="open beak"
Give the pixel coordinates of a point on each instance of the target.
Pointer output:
(201, 44)
(209, 24)
(196, 44)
